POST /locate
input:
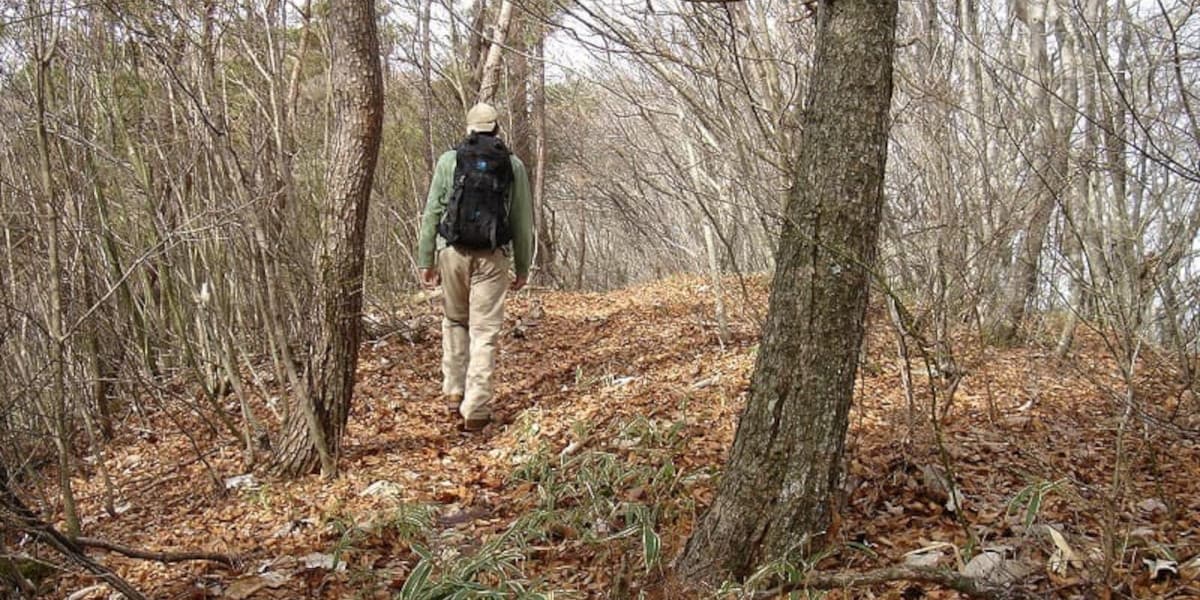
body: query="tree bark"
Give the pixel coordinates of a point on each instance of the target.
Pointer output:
(476, 46)
(714, 275)
(545, 233)
(776, 493)
(427, 92)
(491, 65)
(521, 135)
(313, 428)
(582, 241)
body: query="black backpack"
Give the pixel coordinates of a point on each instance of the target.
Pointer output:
(476, 215)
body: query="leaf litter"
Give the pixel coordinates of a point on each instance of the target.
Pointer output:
(632, 389)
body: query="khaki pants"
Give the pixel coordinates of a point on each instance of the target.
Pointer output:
(474, 282)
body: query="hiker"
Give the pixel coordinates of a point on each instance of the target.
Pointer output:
(479, 214)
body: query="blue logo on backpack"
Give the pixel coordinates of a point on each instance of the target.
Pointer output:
(481, 165)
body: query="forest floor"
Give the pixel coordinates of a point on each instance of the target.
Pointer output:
(623, 406)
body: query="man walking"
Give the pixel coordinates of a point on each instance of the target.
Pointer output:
(479, 220)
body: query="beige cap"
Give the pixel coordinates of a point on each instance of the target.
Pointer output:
(481, 117)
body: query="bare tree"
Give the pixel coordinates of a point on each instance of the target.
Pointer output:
(317, 420)
(57, 409)
(1053, 114)
(784, 467)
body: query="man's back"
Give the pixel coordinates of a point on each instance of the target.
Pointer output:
(478, 223)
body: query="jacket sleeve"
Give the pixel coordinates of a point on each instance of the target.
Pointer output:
(520, 218)
(435, 205)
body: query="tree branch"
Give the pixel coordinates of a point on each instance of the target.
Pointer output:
(14, 513)
(162, 557)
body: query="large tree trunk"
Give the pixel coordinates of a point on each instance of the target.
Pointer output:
(313, 428)
(785, 462)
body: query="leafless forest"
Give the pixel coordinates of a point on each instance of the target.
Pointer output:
(175, 184)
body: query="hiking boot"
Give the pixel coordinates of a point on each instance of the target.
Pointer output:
(476, 424)
(453, 402)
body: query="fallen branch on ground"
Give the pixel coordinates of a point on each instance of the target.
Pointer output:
(14, 514)
(970, 586)
(162, 557)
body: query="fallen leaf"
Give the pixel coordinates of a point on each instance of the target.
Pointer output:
(462, 516)
(1064, 556)
(938, 486)
(237, 482)
(929, 556)
(991, 566)
(318, 560)
(383, 489)
(1161, 569)
(244, 587)
(1191, 569)
(1152, 506)
(86, 592)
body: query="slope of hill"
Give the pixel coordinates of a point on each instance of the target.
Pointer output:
(622, 406)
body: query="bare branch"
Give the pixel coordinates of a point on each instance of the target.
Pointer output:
(162, 557)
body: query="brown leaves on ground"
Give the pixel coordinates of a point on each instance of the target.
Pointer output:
(638, 376)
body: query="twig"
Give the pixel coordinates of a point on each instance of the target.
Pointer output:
(162, 557)
(970, 586)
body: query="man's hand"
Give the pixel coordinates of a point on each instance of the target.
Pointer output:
(519, 283)
(430, 278)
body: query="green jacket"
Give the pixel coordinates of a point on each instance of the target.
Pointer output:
(520, 213)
